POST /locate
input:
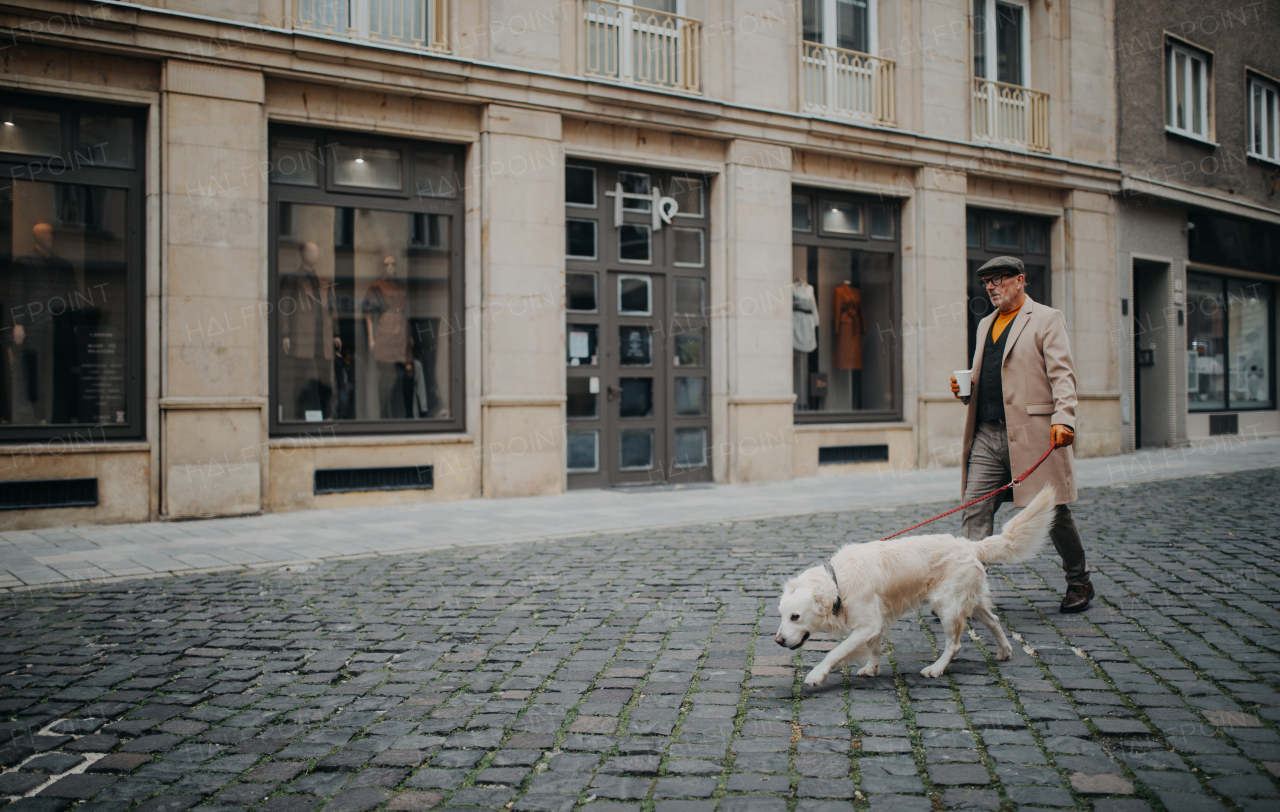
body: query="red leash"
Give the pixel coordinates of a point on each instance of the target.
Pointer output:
(1017, 481)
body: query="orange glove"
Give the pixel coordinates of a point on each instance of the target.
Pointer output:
(1061, 436)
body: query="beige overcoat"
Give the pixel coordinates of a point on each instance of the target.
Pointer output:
(1039, 382)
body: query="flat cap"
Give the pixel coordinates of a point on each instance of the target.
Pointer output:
(1002, 265)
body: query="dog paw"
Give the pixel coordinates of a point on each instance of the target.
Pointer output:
(1004, 654)
(932, 672)
(869, 670)
(815, 678)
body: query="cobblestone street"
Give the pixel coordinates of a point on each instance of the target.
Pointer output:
(637, 672)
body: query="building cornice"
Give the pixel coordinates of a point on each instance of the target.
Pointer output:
(1138, 185)
(128, 29)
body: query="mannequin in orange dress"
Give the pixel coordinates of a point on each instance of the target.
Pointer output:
(850, 327)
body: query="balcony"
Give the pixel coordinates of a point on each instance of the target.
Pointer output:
(641, 46)
(1010, 115)
(421, 24)
(847, 84)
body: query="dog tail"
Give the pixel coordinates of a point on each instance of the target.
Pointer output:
(1021, 536)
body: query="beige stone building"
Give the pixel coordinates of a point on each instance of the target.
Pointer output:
(272, 255)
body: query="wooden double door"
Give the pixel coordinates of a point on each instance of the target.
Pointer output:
(637, 371)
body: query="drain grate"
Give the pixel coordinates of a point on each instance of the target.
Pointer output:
(346, 480)
(837, 454)
(27, 494)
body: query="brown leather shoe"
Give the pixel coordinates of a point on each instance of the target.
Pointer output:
(1077, 599)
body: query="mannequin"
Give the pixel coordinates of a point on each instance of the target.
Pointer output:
(386, 323)
(804, 317)
(850, 327)
(309, 335)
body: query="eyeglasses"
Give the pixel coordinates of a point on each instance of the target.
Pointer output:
(997, 280)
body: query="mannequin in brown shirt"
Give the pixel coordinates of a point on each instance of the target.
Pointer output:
(308, 335)
(386, 322)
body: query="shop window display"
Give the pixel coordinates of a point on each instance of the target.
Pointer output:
(70, 273)
(367, 328)
(844, 308)
(1230, 341)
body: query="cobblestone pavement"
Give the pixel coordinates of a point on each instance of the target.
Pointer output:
(636, 673)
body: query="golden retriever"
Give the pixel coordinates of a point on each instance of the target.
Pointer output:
(865, 588)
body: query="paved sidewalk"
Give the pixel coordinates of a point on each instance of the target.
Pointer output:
(92, 553)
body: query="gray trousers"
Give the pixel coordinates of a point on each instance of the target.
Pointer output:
(988, 470)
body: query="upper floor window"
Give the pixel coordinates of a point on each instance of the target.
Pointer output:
(411, 23)
(1188, 100)
(844, 24)
(1264, 120)
(839, 72)
(1005, 110)
(1001, 42)
(642, 42)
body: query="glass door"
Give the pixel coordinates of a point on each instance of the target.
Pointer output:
(637, 379)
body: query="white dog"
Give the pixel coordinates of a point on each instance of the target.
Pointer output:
(866, 587)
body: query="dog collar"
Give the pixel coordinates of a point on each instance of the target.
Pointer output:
(832, 572)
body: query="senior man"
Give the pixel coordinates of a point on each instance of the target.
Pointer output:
(1023, 396)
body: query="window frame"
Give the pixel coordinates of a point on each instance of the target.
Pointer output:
(830, 37)
(22, 166)
(1224, 280)
(329, 194)
(1266, 85)
(988, 30)
(1190, 53)
(331, 141)
(818, 238)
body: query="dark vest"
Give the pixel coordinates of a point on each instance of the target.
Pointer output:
(990, 382)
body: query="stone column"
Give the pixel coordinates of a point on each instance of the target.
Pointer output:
(935, 316)
(752, 315)
(522, 318)
(213, 360)
(1088, 291)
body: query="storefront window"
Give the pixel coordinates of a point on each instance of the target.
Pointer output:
(367, 329)
(1230, 344)
(70, 273)
(993, 234)
(845, 309)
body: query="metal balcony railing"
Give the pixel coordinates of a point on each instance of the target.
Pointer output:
(420, 24)
(641, 46)
(840, 82)
(1010, 114)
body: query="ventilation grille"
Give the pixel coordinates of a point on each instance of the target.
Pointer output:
(48, 493)
(837, 454)
(1224, 424)
(345, 480)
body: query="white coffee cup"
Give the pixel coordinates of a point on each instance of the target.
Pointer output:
(964, 377)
